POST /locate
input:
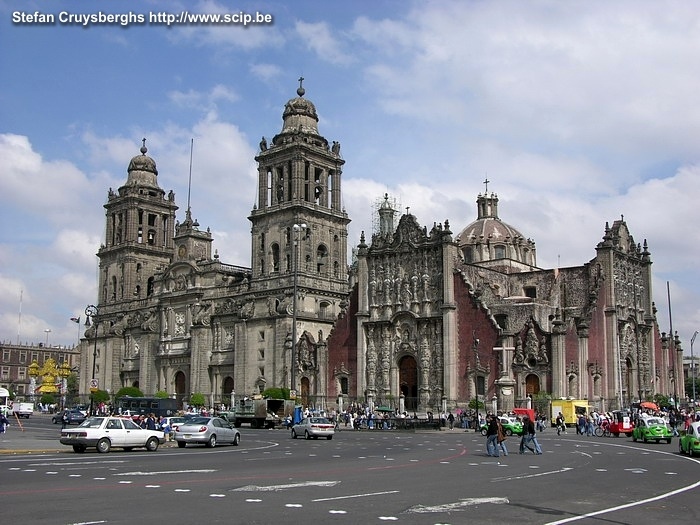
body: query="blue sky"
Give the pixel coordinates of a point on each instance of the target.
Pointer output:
(577, 112)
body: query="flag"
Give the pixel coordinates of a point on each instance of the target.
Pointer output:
(75, 320)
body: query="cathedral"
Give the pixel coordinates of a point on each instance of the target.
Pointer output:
(422, 320)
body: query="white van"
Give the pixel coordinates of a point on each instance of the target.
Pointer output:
(23, 409)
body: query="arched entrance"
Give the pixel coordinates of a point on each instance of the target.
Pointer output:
(305, 388)
(408, 381)
(532, 385)
(227, 389)
(180, 387)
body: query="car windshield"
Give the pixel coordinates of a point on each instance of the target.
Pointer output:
(92, 422)
(197, 421)
(651, 421)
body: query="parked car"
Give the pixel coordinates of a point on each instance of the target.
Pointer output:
(651, 429)
(689, 442)
(74, 417)
(511, 426)
(208, 431)
(175, 422)
(104, 433)
(313, 427)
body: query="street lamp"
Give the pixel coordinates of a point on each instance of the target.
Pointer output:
(48, 331)
(91, 318)
(297, 229)
(692, 362)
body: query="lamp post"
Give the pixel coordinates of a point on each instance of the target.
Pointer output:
(48, 331)
(692, 363)
(91, 318)
(297, 229)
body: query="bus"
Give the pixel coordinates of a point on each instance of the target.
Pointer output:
(137, 406)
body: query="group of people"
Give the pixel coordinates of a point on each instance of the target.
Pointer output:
(496, 437)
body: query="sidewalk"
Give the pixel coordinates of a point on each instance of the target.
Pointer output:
(14, 441)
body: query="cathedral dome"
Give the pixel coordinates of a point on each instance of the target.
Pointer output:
(488, 239)
(142, 170)
(300, 115)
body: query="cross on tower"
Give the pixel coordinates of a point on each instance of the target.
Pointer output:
(486, 183)
(301, 79)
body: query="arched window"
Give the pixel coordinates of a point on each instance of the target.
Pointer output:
(321, 257)
(468, 254)
(275, 257)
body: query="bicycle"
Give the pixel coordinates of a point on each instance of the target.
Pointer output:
(603, 430)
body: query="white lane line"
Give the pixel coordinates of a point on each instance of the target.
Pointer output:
(456, 506)
(509, 478)
(271, 488)
(367, 495)
(627, 505)
(162, 472)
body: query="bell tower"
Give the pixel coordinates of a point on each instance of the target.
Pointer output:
(299, 200)
(139, 234)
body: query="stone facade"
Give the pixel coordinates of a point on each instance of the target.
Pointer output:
(424, 319)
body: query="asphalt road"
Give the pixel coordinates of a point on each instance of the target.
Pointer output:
(358, 477)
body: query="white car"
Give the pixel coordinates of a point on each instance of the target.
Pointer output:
(314, 427)
(103, 433)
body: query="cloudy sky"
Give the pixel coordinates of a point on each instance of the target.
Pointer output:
(578, 113)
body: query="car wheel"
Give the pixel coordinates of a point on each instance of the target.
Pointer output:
(181, 444)
(628, 434)
(329, 437)
(691, 453)
(212, 441)
(152, 444)
(294, 434)
(634, 438)
(680, 447)
(483, 431)
(79, 448)
(103, 445)
(668, 440)
(307, 435)
(509, 432)
(645, 440)
(236, 440)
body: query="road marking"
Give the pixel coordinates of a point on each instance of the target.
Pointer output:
(150, 473)
(357, 496)
(456, 506)
(510, 478)
(271, 488)
(626, 506)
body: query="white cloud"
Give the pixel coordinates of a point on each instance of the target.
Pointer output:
(319, 38)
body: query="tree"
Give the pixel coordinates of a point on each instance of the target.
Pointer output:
(47, 399)
(161, 394)
(198, 399)
(276, 393)
(130, 391)
(101, 396)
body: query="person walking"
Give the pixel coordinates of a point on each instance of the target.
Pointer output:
(501, 438)
(530, 436)
(492, 436)
(561, 425)
(64, 419)
(4, 423)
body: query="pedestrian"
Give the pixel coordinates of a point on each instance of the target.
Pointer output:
(501, 438)
(561, 424)
(492, 436)
(4, 423)
(64, 419)
(529, 436)
(451, 420)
